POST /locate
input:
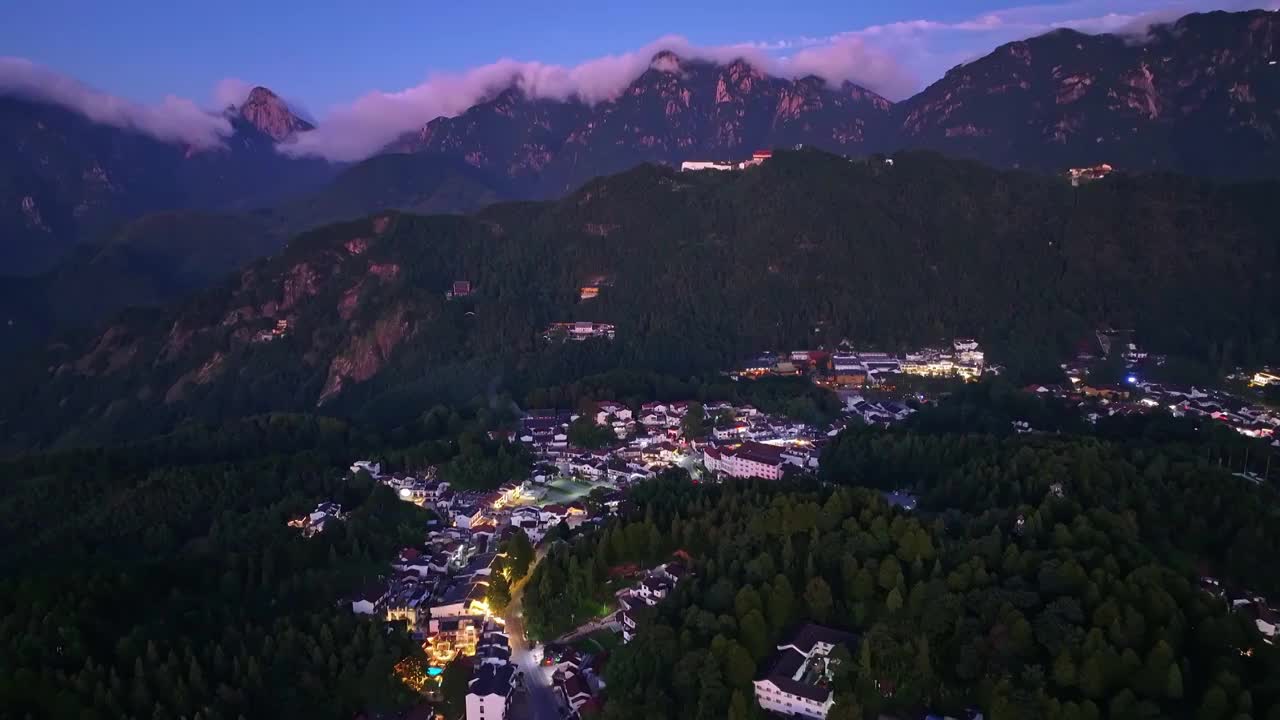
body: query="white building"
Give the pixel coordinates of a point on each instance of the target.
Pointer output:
(750, 459)
(374, 469)
(616, 410)
(690, 165)
(799, 680)
(371, 599)
(489, 692)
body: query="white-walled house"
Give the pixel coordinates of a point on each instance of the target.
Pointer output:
(798, 680)
(489, 692)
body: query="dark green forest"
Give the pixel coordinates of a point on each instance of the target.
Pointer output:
(160, 580)
(1086, 609)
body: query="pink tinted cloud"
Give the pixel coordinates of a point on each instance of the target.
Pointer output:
(927, 48)
(175, 120)
(230, 91)
(855, 60)
(360, 129)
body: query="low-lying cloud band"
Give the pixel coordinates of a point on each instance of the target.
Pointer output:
(890, 59)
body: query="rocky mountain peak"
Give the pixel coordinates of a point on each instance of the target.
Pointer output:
(260, 95)
(665, 61)
(1058, 100)
(266, 111)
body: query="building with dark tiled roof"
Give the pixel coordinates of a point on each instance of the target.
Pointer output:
(798, 681)
(489, 692)
(750, 459)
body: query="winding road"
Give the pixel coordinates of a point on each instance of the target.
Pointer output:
(540, 698)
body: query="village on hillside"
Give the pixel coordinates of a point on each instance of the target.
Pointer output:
(443, 589)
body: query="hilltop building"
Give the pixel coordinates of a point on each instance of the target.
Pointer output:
(1082, 175)
(581, 330)
(757, 158)
(459, 289)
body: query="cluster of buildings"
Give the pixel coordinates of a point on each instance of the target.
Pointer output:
(317, 520)
(1249, 419)
(1257, 608)
(850, 368)
(513, 504)
(579, 330)
(757, 158)
(653, 587)
(575, 679)
(1136, 397)
(742, 442)
(439, 589)
(445, 578)
(1081, 175)
(280, 330)
(877, 412)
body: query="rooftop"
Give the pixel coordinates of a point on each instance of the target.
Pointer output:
(798, 669)
(491, 680)
(758, 452)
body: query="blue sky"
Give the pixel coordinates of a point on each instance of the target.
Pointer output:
(368, 71)
(323, 54)
(327, 53)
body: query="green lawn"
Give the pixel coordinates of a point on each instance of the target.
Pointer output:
(564, 490)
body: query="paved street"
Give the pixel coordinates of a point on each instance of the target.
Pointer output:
(540, 698)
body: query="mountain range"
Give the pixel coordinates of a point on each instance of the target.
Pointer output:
(695, 270)
(67, 180)
(161, 256)
(1200, 96)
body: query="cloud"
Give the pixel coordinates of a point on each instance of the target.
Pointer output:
(891, 59)
(362, 128)
(230, 91)
(927, 48)
(852, 59)
(174, 120)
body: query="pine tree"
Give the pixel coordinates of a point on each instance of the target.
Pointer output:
(1064, 670)
(817, 597)
(754, 633)
(781, 604)
(1173, 684)
(738, 707)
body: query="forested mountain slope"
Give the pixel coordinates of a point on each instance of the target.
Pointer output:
(65, 179)
(161, 257)
(705, 269)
